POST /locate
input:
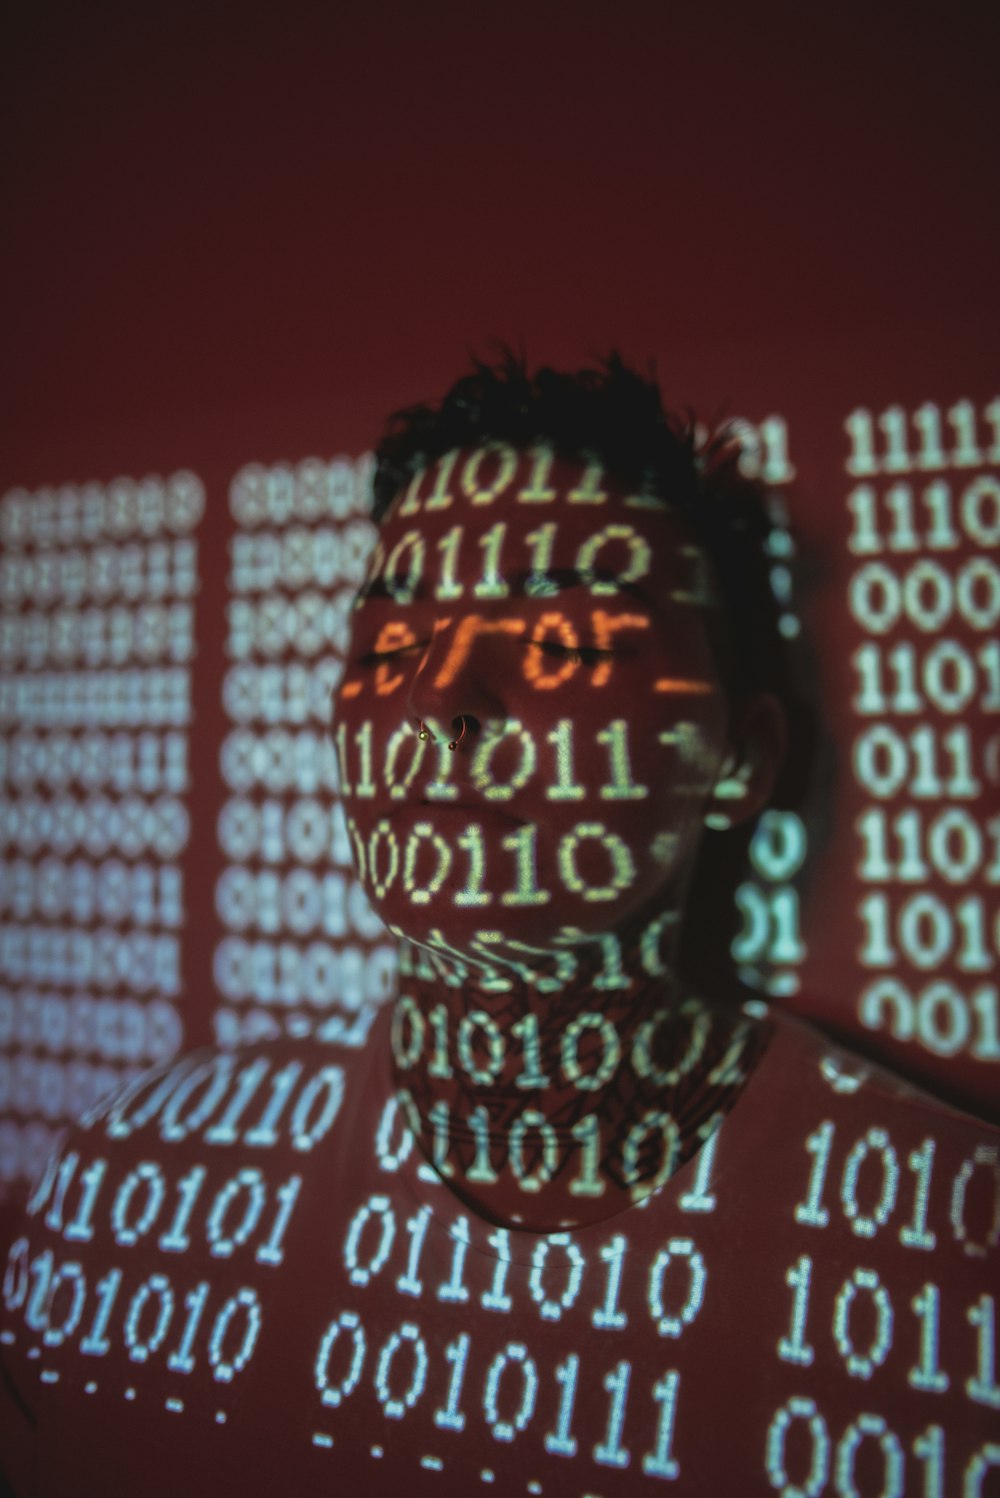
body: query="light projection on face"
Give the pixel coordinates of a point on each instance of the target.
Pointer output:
(559, 625)
(529, 730)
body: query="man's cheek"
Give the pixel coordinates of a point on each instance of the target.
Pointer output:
(612, 764)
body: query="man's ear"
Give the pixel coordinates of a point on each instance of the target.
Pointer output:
(757, 741)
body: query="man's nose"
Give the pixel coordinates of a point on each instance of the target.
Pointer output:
(462, 675)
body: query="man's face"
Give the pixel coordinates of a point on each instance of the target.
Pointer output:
(566, 622)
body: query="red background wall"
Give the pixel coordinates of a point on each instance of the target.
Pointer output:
(238, 235)
(239, 227)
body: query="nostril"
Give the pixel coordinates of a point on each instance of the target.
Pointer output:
(463, 724)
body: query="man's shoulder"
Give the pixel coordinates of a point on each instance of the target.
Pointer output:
(211, 1134)
(825, 1065)
(272, 1094)
(179, 1208)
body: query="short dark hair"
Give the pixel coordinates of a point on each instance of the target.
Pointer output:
(614, 415)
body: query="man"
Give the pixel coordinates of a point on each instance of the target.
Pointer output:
(563, 621)
(571, 1222)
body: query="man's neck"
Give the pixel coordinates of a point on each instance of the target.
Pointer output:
(557, 1094)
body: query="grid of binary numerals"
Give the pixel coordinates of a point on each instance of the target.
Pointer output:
(925, 593)
(97, 586)
(769, 948)
(439, 1270)
(302, 948)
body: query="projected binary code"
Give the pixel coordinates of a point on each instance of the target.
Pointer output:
(925, 593)
(96, 643)
(563, 1218)
(305, 943)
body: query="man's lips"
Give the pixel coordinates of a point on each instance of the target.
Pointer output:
(471, 811)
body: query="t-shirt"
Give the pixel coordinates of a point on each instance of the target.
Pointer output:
(244, 1278)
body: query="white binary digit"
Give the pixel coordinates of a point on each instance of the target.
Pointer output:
(819, 1145)
(532, 1077)
(927, 420)
(379, 1206)
(484, 1075)
(457, 1354)
(439, 1064)
(610, 1317)
(983, 1387)
(847, 1451)
(504, 1430)
(928, 1447)
(36, 1310)
(448, 589)
(481, 1170)
(865, 539)
(395, 1406)
(148, 1175)
(877, 951)
(283, 1085)
(183, 1360)
(560, 1442)
(471, 841)
(96, 1342)
(408, 1283)
(53, 1334)
(81, 1229)
(140, 1348)
(865, 1224)
(672, 1325)
(927, 1374)
(899, 499)
(534, 1121)
(659, 1462)
(439, 1117)
(566, 787)
(699, 1198)
(271, 1251)
(621, 786)
(587, 1132)
(454, 1290)
(967, 454)
(862, 461)
(440, 496)
(524, 845)
(893, 423)
(863, 1364)
(175, 1239)
(492, 584)
(551, 1310)
(815, 1481)
(496, 1297)
(538, 490)
(65, 1173)
(569, 1051)
(794, 1348)
(350, 1322)
(921, 1162)
(610, 1452)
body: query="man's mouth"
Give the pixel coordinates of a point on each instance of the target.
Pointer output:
(473, 811)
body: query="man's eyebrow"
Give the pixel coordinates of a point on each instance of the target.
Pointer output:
(562, 579)
(541, 583)
(376, 588)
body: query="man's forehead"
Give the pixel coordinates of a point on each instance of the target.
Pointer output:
(529, 478)
(506, 521)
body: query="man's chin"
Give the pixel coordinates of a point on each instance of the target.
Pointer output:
(521, 942)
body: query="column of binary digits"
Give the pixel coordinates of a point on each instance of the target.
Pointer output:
(544, 705)
(568, 1223)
